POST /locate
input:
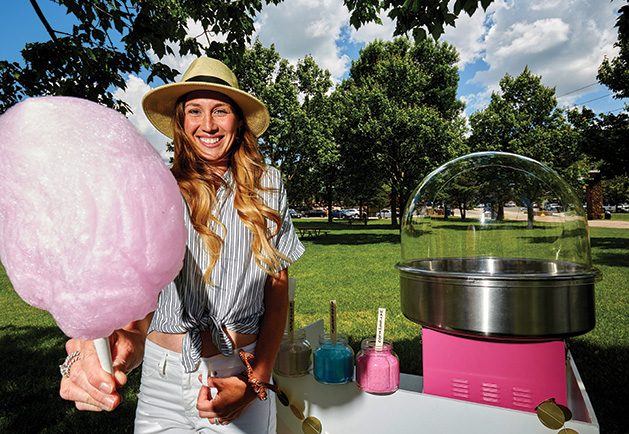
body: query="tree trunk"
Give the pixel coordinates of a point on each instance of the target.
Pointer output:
(594, 196)
(328, 194)
(393, 206)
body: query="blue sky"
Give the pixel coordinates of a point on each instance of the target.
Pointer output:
(564, 41)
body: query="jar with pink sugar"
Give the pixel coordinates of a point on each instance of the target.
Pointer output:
(377, 369)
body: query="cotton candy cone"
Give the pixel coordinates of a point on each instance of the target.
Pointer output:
(91, 219)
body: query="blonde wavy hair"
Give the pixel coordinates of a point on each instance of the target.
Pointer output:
(198, 185)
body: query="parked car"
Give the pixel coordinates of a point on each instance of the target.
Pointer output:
(384, 214)
(352, 213)
(339, 214)
(623, 207)
(315, 213)
(294, 214)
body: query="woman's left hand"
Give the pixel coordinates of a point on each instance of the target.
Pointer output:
(234, 395)
(231, 400)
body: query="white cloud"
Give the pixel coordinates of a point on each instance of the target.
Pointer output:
(136, 89)
(537, 37)
(468, 36)
(563, 41)
(548, 5)
(306, 27)
(372, 31)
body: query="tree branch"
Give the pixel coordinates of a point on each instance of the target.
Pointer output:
(41, 16)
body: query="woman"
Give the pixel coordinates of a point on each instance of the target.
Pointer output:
(230, 299)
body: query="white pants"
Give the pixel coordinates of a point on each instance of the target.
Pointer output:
(168, 396)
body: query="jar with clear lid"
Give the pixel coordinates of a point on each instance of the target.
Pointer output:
(377, 370)
(333, 360)
(294, 355)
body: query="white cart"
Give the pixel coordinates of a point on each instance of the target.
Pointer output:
(345, 409)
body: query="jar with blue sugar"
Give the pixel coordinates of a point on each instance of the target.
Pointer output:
(333, 360)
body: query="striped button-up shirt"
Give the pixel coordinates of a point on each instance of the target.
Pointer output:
(235, 300)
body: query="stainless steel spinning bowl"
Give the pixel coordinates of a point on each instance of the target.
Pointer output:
(505, 298)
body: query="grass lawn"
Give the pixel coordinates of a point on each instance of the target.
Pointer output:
(352, 264)
(620, 216)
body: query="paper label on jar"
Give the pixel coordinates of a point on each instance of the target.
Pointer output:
(333, 320)
(382, 312)
(290, 327)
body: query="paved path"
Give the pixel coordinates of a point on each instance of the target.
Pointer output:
(624, 224)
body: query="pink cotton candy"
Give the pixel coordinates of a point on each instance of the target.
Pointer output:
(91, 219)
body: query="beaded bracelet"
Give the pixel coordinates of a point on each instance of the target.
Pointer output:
(259, 387)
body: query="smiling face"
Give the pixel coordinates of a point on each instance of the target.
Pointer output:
(211, 124)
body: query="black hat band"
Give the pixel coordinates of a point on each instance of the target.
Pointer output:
(208, 79)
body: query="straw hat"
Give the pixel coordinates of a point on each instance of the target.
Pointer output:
(203, 74)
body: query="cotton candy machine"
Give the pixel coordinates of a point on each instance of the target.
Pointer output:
(496, 266)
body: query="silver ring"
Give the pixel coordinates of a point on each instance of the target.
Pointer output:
(65, 367)
(216, 421)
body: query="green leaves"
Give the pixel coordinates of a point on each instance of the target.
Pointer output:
(120, 36)
(114, 38)
(10, 89)
(469, 6)
(423, 17)
(299, 140)
(523, 118)
(363, 12)
(418, 17)
(399, 115)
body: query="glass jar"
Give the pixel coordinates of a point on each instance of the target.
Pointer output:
(377, 371)
(293, 358)
(333, 360)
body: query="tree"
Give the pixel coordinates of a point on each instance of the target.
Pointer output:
(272, 79)
(616, 189)
(615, 73)
(401, 116)
(524, 119)
(603, 140)
(114, 38)
(464, 192)
(299, 139)
(322, 150)
(413, 16)
(360, 175)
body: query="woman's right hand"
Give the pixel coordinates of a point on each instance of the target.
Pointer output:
(88, 385)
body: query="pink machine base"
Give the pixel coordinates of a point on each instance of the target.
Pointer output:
(510, 375)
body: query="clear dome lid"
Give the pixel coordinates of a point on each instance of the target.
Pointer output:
(497, 245)
(495, 204)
